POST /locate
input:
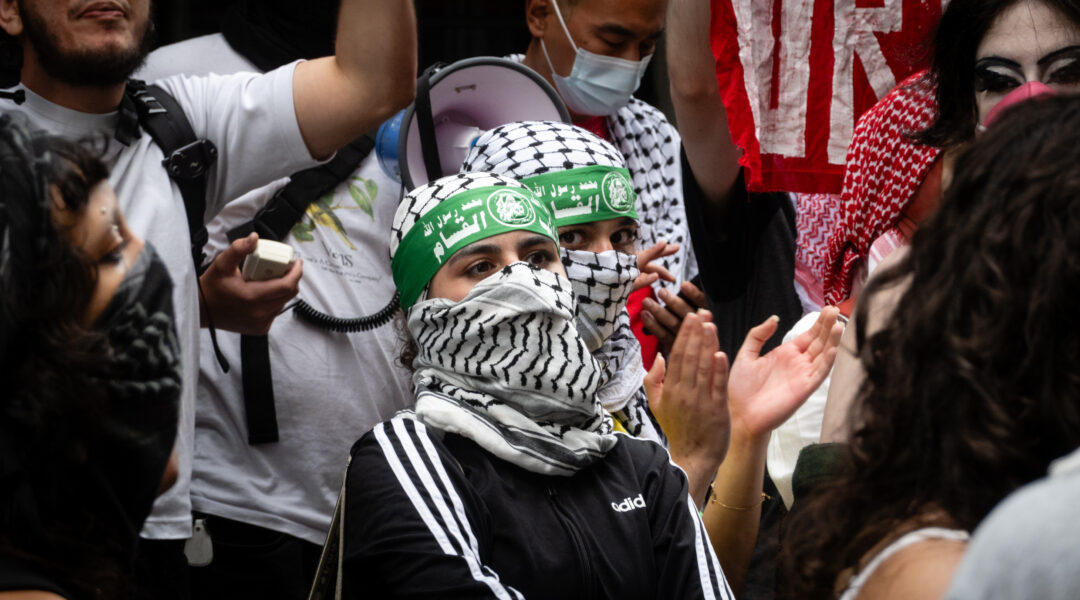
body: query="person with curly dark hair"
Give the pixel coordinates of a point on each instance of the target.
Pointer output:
(971, 383)
(90, 364)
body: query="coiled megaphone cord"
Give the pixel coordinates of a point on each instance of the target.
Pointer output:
(305, 312)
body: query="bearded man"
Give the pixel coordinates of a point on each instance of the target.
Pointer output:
(78, 55)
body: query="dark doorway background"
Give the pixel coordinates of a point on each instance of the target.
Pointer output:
(448, 30)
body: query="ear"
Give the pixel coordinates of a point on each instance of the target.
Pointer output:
(536, 16)
(10, 20)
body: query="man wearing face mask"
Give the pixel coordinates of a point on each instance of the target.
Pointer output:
(595, 52)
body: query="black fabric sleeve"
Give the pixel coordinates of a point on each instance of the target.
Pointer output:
(413, 526)
(746, 259)
(686, 564)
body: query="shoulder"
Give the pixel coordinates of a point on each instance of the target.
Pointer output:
(197, 56)
(920, 570)
(395, 437)
(649, 462)
(642, 114)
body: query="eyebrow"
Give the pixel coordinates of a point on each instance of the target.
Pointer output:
(1056, 54)
(533, 240)
(996, 61)
(473, 250)
(617, 29)
(627, 221)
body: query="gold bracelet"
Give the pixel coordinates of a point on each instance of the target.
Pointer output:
(764, 497)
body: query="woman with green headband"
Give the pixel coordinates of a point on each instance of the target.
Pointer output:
(507, 480)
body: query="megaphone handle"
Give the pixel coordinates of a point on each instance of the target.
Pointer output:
(426, 124)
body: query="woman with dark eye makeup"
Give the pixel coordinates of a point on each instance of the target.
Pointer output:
(901, 154)
(988, 55)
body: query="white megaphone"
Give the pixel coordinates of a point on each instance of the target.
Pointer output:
(456, 104)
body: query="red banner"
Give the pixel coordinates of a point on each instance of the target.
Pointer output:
(795, 75)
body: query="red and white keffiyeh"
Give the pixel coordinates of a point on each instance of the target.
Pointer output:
(883, 173)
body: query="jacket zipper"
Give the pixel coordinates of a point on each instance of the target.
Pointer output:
(575, 539)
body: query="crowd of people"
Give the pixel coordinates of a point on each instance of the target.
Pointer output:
(547, 398)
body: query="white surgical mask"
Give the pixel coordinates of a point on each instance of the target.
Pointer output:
(597, 84)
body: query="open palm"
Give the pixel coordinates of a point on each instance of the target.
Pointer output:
(764, 391)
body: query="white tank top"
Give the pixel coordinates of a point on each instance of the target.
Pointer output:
(908, 539)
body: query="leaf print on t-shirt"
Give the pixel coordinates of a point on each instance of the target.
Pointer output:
(364, 196)
(321, 212)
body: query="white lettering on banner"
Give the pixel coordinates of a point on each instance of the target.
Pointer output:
(859, 39)
(780, 130)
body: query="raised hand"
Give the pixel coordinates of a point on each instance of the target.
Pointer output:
(650, 271)
(689, 401)
(764, 391)
(662, 320)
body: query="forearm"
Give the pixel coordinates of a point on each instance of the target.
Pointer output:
(371, 75)
(699, 471)
(699, 108)
(733, 511)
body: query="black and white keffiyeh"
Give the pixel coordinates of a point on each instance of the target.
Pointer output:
(650, 147)
(602, 282)
(506, 368)
(530, 148)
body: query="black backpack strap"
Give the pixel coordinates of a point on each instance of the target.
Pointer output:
(276, 219)
(187, 160)
(425, 122)
(273, 222)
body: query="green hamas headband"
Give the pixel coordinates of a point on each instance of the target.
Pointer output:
(586, 194)
(458, 221)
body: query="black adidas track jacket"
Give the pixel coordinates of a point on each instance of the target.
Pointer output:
(434, 516)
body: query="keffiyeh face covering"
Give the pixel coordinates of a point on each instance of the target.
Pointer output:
(602, 282)
(505, 366)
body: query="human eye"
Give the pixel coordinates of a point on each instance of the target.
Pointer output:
(991, 81)
(627, 235)
(1068, 73)
(540, 258)
(480, 269)
(572, 239)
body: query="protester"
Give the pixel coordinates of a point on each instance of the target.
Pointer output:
(584, 182)
(266, 507)
(901, 154)
(519, 442)
(90, 363)
(77, 58)
(595, 53)
(1011, 50)
(969, 384)
(577, 175)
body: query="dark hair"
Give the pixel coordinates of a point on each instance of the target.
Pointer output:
(51, 407)
(971, 387)
(962, 27)
(407, 348)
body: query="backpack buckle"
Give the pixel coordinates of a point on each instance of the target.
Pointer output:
(191, 161)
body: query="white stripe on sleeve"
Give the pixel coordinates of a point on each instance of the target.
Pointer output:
(440, 534)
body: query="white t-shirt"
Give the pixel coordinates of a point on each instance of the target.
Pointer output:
(252, 122)
(329, 388)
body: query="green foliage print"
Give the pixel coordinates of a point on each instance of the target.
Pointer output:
(321, 212)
